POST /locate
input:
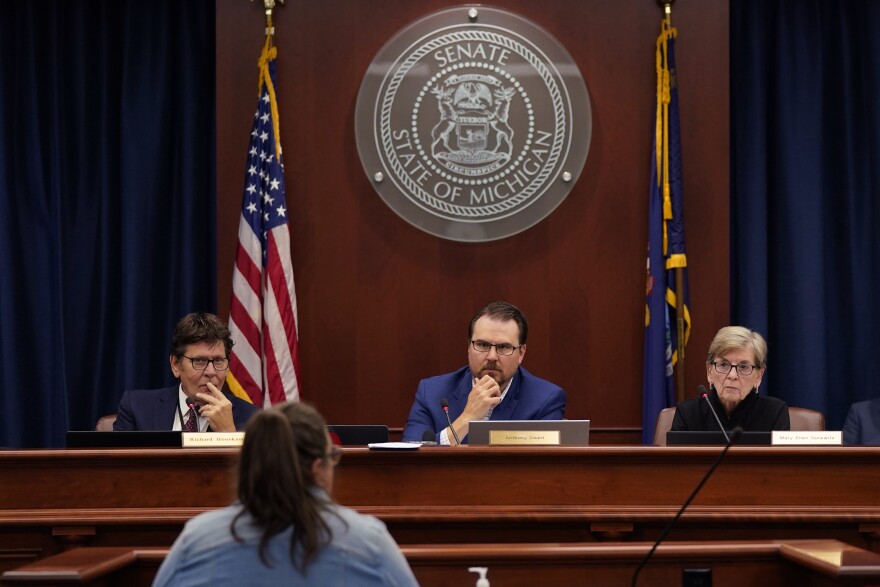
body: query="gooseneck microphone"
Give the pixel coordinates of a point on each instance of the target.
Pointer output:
(444, 403)
(734, 435)
(705, 395)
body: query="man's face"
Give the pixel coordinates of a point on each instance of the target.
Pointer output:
(499, 367)
(195, 380)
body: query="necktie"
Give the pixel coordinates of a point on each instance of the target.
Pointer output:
(190, 424)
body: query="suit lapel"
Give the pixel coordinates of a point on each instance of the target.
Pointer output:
(165, 409)
(460, 394)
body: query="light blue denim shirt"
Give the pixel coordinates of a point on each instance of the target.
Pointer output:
(359, 555)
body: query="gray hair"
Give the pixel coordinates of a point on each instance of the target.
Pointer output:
(739, 337)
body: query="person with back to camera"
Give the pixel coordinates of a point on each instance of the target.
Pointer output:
(735, 366)
(493, 386)
(285, 529)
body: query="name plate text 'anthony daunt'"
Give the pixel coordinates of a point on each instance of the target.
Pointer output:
(524, 437)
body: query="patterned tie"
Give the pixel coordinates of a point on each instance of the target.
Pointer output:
(190, 424)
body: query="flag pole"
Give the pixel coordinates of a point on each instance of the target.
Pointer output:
(270, 6)
(666, 4)
(679, 283)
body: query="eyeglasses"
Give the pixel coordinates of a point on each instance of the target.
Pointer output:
(334, 456)
(201, 363)
(724, 367)
(503, 349)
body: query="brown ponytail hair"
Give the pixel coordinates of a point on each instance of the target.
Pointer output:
(275, 480)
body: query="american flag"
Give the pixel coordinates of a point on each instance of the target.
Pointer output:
(264, 366)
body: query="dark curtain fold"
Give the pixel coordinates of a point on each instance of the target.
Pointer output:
(805, 197)
(107, 190)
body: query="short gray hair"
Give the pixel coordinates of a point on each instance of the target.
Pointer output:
(739, 337)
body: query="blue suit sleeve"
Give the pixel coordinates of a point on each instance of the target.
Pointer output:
(242, 411)
(420, 418)
(852, 428)
(554, 407)
(124, 415)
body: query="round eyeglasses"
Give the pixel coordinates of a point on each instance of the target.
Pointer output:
(201, 363)
(503, 349)
(724, 367)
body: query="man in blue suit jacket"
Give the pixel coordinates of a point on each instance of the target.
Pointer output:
(200, 347)
(156, 409)
(862, 424)
(492, 387)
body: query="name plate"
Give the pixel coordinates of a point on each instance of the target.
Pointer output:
(212, 439)
(524, 437)
(816, 437)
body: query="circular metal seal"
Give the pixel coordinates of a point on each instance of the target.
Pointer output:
(473, 123)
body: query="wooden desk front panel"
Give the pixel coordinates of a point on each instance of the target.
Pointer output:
(142, 497)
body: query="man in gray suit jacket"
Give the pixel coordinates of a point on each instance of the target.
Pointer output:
(200, 347)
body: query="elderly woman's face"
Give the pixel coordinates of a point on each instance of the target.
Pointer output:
(732, 387)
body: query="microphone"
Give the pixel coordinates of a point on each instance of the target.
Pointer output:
(444, 403)
(191, 402)
(702, 390)
(193, 407)
(734, 436)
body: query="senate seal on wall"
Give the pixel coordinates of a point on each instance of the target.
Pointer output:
(473, 123)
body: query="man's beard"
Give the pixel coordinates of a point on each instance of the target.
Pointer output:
(498, 376)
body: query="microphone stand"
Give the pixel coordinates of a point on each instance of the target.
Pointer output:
(734, 435)
(444, 403)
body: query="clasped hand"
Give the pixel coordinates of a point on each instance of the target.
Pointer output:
(485, 395)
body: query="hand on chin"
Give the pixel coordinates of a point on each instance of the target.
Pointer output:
(493, 373)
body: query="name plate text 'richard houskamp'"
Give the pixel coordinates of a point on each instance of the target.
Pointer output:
(212, 439)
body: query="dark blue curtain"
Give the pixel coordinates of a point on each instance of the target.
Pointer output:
(107, 193)
(805, 194)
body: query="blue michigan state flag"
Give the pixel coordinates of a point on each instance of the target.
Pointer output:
(666, 333)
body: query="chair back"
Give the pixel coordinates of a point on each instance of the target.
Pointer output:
(805, 419)
(664, 423)
(105, 423)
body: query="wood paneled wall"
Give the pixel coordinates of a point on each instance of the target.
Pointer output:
(382, 304)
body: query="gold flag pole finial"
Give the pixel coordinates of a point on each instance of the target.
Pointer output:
(667, 6)
(270, 6)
